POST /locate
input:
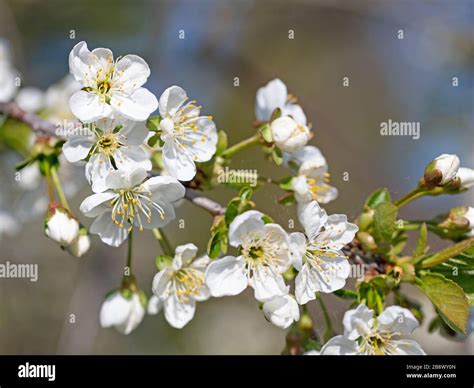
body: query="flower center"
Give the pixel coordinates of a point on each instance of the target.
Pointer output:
(188, 282)
(108, 143)
(256, 252)
(318, 186)
(104, 86)
(134, 206)
(377, 344)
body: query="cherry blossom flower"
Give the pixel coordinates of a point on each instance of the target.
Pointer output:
(130, 201)
(108, 144)
(311, 183)
(263, 258)
(123, 312)
(178, 287)
(288, 134)
(108, 86)
(317, 253)
(188, 137)
(61, 226)
(275, 95)
(442, 169)
(282, 311)
(366, 335)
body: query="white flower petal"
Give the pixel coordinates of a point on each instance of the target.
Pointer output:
(304, 286)
(179, 163)
(88, 107)
(134, 132)
(358, 321)
(125, 179)
(267, 284)
(96, 171)
(130, 158)
(165, 188)
(96, 204)
(109, 233)
(297, 249)
(77, 148)
(407, 347)
(226, 276)
(186, 252)
(137, 106)
(339, 346)
(131, 72)
(155, 305)
(171, 100)
(160, 282)
(282, 311)
(114, 310)
(295, 111)
(397, 320)
(312, 217)
(269, 97)
(178, 313)
(202, 147)
(337, 231)
(246, 223)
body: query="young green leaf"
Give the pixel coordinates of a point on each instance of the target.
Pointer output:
(385, 218)
(448, 298)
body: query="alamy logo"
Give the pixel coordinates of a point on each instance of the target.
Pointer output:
(227, 175)
(37, 371)
(19, 271)
(400, 128)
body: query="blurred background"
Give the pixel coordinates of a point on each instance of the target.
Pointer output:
(409, 79)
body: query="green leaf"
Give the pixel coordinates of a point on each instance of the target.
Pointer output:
(346, 294)
(232, 211)
(287, 200)
(267, 219)
(448, 298)
(447, 253)
(246, 193)
(385, 218)
(460, 269)
(221, 142)
(377, 197)
(163, 261)
(214, 245)
(373, 292)
(422, 244)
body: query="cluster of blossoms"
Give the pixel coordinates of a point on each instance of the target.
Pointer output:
(117, 144)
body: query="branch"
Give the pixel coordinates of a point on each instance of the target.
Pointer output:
(37, 124)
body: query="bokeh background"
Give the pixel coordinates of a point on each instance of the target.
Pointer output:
(406, 79)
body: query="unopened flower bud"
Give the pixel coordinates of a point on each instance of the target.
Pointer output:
(282, 311)
(288, 134)
(81, 246)
(460, 219)
(61, 226)
(441, 170)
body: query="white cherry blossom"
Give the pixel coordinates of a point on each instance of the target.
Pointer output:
(130, 201)
(60, 226)
(275, 95)
(444, 167)
(122, 313)
(317, 253)
(188, 137)
(288, 134)
(109, 144)
(365, 334)
(178, 287)
(311, 183)
(263, 258)
(282, 311)
(109, 86)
